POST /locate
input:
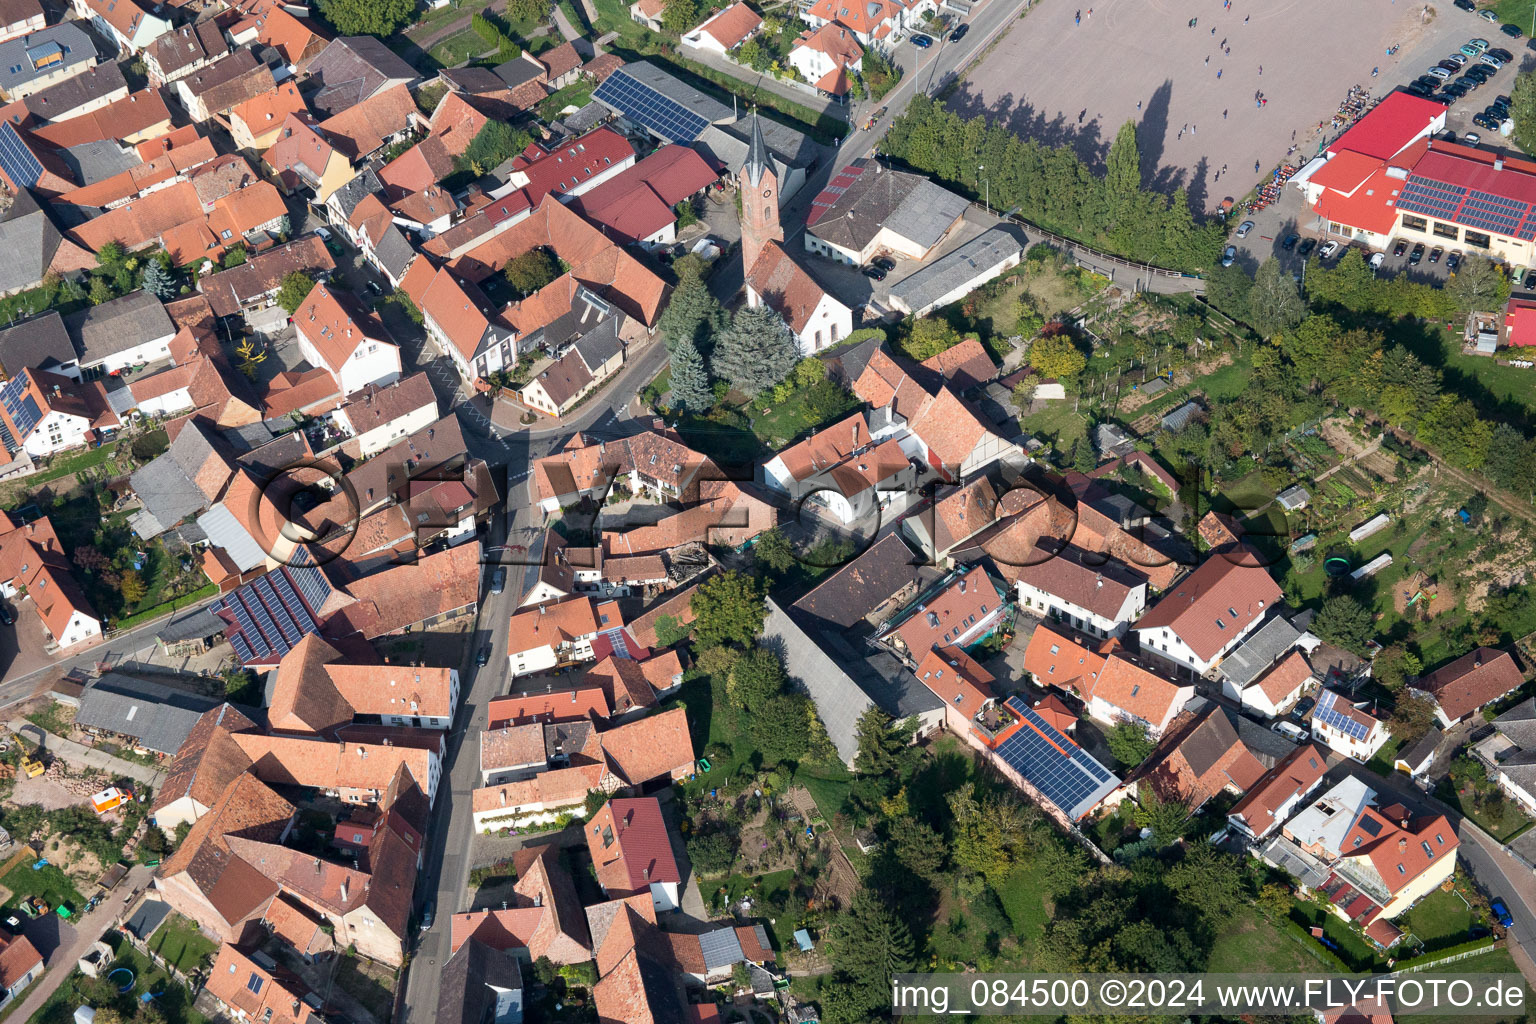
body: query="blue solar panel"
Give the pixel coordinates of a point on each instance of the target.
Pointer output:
(16, 159)
(1052, 763)
(658, 114)
(242, 649)
(20, 406)
(1328, 712)
(312, 584)
(285, 624)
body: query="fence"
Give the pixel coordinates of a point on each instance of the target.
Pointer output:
(1476, 948)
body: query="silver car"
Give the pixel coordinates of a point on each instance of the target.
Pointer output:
(1230, 256)
(1244, 228)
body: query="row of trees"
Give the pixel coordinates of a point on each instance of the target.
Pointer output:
(1054, 188)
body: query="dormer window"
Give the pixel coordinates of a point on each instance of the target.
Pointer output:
(1220, 624)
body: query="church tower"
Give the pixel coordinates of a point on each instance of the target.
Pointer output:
(759, 200)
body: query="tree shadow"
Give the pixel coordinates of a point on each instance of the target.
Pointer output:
(1078, 132)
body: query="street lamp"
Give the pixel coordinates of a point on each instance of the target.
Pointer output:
(987, 185)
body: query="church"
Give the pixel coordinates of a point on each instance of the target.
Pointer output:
(772, 276)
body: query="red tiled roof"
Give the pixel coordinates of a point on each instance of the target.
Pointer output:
(732, 25)
(568, 704)
(785, 286)
(1392, 124)
(269, 110)
(1213, 604)
(630, 847)
(359, 130)
(964, 366)
(1471, 681)
(1297, 773)
(639, 202)
(1520, 323)
(649, 748)
(1399, 850)
(336, 324)
(540, 173)
(956, 679)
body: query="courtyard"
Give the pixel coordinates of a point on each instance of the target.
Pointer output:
(1075, 84)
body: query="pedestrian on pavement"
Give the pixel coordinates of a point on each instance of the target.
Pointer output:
(1261, 70)
(1207, 61)
(1213, 30)
(1138, 106)
(1245, 19)
(1195, 130)
(1255, 167)
(1218, 73)
(1223, 115)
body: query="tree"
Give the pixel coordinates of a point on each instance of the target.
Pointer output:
(749, 53)
(927, 338)
(1024, 392)
(780, 727)
(131, 586)
(293, 290)
(1129, 742)
(1227, 289)
(1274, 302)
(690, 381)
(111, 256)
(692, 312)
(870, 943)
(1055, 355)
(728, 609)
(158, 281)
(917, 848)
(712, 853)
(523, 12)
(883, 744)
(1479, 284)
(1210, 880)
(680, 15)
(1412, 717)
(757, 675)
(531, 271)
(90, 558)
(755, 352)
(670, 630)
(1345, 622)
(367, 17)
(1522, 110)
(234, 256)
(988, 834)
(495, 143)
(774, 550)
(1394, 666)
(408, 307)
(1030, 318)
(250, 357)
(1166, 818)
(101, 291)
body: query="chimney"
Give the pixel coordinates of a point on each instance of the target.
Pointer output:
(1402, 844)
(503, 798)
(1098, 581)
(1498, 163)
(1477, 660)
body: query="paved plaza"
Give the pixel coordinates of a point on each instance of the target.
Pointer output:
(1076, 84)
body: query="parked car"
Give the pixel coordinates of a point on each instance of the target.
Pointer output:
(1290, 241)
(427, 915)
(1452, 262)
(1329, 248)
(1530, 280)
(1488, 16)
(1450, 66)
(1469, 83)
(1377, 259)
(1467, 5)
(1513, 31)
(484, 657)
(1459, 59)
(1306, 247)
(874, 273)
(1484, 121)
(1243, 229)
(885, 263)
(1289, 730)
(1503, 54)
(922, 42)
(1480, 45)
(1436, 253)
(1439, 72)
(1501, 912)
(1229, 257)
(1471, 138)
(1303, 708)
(1417, 256)
(959, 33)
(1400, 248)
(6, 617)
(1489, 60)
(499, 580)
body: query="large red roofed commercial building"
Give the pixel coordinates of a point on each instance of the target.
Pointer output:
(639, 205)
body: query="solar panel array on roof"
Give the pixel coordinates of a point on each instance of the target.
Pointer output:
(311, 583)
(269, 616)
(657, 113)
(721, 948)
(19, 405)
(1330, 711)
(16, 159)
(1513, 218)
(1053, 764)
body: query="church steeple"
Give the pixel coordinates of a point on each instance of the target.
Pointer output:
(759, 199)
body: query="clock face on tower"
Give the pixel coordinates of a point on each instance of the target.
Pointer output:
(767, 193)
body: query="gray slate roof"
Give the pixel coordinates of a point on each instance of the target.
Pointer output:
(29, 238)
(118, 325)
(355, 191)
(601, 343)
(91, 162)
(1422, 748)
(721, 948)
(1261, 650)
(585, 119)
(464, 993)
(1518, 724)
(159, 717)
(517, 71)
(908, 204)
(165, 485)
(63, 99)
(197, 624)
(350, 69)
(858, 588)
(957, 268)
(41, 342)
(147, 918)
(394, 252)
(18, 56)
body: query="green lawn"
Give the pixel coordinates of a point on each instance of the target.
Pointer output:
(1440, 919)
(1358, 954)
(1058, 424)
(1250, 942)
(1023, 903)
(68, 464)
(1506, 383)
(1515, 12)
(49, 882)
(173, 1001)
(1495, 961)
(574, 95)
(830, 794)
(1495, 814)
(458, 48)
(181, 944)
